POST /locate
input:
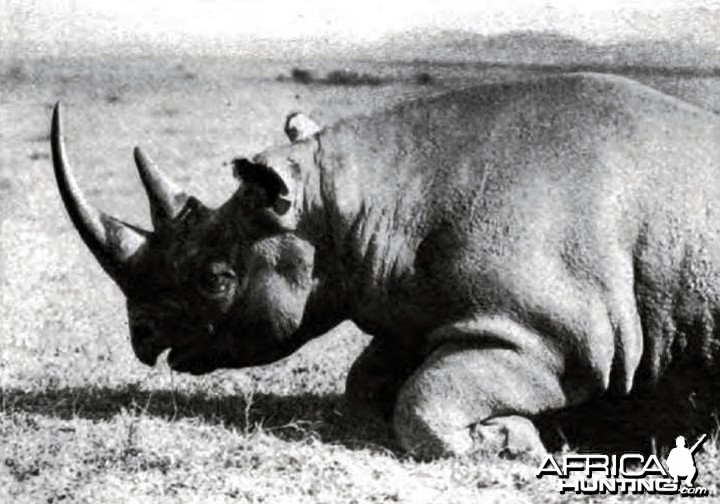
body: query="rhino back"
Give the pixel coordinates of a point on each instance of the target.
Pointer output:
(584, 206)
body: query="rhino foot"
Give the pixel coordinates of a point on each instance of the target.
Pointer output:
(512, 436)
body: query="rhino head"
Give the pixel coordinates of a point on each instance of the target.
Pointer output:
(225, 287)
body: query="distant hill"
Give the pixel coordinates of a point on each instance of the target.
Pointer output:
(542, 48)
(511, 48)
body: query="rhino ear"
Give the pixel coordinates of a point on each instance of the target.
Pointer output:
(299, 127)
(280, 189)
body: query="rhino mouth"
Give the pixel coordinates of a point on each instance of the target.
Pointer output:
(149, 356)
(191, 359)
(146, 349)
(178, 356)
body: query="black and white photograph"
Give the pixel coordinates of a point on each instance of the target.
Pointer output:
(274, 251)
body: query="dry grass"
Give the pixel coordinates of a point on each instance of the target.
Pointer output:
(80, 419)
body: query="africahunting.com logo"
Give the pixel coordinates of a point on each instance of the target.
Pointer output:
(629, 473)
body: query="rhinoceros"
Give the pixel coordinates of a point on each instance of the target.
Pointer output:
(515, 250)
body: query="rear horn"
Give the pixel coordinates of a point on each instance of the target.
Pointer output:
(166, 197)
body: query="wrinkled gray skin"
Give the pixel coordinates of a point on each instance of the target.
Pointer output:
(514, 249)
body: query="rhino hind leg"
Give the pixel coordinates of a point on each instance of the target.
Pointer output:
(375, 379)
(467, 400)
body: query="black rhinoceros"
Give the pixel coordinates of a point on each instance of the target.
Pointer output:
(514, 249)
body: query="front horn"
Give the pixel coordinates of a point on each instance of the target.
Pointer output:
(110, 240)
(166, 197)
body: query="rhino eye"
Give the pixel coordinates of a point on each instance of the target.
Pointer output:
(218, 279)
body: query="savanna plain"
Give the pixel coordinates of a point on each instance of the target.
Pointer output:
(80, 419)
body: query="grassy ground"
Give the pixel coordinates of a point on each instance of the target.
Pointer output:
(80, 419)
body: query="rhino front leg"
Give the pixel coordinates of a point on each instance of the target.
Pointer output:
(375, 379)
(464, 398)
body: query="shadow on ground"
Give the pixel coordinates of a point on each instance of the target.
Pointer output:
(684, 402)
(291, 418)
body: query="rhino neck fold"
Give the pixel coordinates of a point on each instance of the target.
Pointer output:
(368, 213)
(328, 303)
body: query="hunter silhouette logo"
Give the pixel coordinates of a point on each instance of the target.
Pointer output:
(680, 462)
(629, 473)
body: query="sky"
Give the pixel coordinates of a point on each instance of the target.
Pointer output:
(55, 25)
